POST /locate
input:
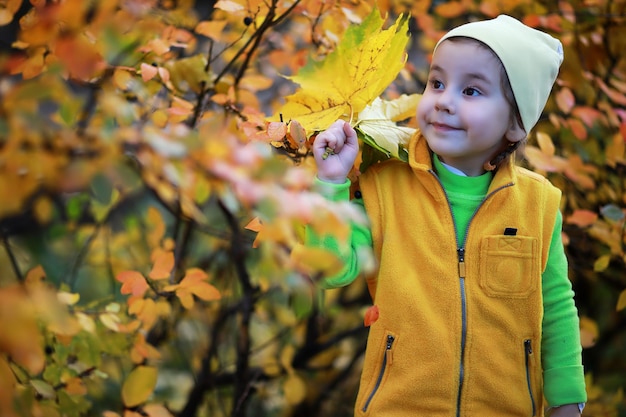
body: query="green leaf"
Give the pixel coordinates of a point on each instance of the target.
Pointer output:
(612, 212)
(43, 388)
(102, 188)
(602, 263)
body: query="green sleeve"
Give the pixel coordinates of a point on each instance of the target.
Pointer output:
(360, 238)
(563, 373)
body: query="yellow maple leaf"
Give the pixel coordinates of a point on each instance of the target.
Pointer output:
(364, 64)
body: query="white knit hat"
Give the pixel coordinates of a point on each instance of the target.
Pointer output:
(531, 59)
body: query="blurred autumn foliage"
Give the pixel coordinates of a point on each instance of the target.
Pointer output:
(150, 221)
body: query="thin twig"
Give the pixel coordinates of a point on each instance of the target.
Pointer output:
(16, 267)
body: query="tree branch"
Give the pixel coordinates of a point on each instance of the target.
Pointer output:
(238, 256)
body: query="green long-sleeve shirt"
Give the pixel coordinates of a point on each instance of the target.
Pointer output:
(561, 350)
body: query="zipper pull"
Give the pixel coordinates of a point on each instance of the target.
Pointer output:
(528, 346)
(388, 351)
(461, 254)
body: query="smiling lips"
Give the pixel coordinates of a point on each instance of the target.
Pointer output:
(443, 127)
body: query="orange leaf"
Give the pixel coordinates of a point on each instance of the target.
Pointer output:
(156, 410)
(276, 130)
(588, 115)
(578, 128)
(163, 264)
(582, 218)
(194, 282)
(450, 9)
(254, 225)
(75, 386)
(164, 74)
(148, 71)
(132, 283)
(565, 100)
(297, 134)
(614, 95)
(193, 275)
(371, 315)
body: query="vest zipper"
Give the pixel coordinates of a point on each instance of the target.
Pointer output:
(528, 351)
(461, 266)
(387, 360)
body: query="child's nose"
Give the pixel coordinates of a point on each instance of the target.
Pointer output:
(445, 101)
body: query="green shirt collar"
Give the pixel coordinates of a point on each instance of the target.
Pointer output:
(454, 183)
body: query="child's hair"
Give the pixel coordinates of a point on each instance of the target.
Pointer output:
(507, 91)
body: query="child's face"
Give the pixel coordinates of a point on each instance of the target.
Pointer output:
(463, 113)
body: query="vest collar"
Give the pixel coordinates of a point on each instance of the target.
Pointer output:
(420, 161)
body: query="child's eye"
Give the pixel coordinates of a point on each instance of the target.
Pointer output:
(471, 91)
(436, 84)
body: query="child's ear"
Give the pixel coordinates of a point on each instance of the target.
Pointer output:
(515, 132)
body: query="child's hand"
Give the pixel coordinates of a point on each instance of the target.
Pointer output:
(569, 410)
(335, 151)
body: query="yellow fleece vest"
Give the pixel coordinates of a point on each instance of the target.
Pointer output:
(459, 331)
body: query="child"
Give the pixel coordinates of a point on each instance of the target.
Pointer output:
(477, 316)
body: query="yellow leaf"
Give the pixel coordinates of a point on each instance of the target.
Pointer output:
(20, 336)
(545, 143)
(211, 29)
(205, 291)
(68, 298)
(122, 78)
(86, 322)
(365, 62)
(8, 10)
(540, 161)
(295, 389)
(186, 298)
(376, 121)
(588, 332)
(156, 226)
(314, 260)
(228, 6)
(139, 385)
(621, 302)
(110, 320)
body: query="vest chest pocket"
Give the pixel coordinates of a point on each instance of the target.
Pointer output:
(509, 265)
